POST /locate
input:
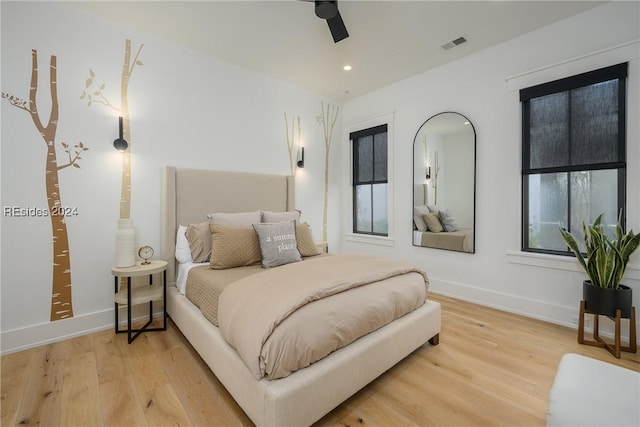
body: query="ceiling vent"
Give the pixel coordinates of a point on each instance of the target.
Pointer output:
(454, 43)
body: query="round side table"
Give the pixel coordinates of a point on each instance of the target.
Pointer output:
(141, 294)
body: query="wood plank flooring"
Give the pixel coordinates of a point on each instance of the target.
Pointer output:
(491, 368)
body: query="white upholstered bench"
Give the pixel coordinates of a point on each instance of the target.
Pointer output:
(588, 392)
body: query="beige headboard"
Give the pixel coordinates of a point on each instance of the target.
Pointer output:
(420, 194)
(189, 195)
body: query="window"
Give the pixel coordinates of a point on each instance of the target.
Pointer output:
(573, 156)
(370, 181)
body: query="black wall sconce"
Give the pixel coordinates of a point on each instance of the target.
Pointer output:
(120, 144)
(301, 157)
(428, 174)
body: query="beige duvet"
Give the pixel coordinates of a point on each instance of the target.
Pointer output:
(288, 317)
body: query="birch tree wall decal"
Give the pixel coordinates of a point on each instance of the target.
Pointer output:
(327, 119)
(94, 93)
(61, 296)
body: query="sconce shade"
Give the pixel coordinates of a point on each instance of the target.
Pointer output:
(301, 157)
(120, 143)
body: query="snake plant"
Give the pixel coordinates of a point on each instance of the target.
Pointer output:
(606, 260)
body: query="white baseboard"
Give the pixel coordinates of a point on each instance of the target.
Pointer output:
(557, 314)
(47, 333)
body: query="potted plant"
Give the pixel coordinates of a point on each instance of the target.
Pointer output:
(605, 265)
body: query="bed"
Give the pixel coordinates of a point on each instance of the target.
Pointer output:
(429, 228)
(460, 240)
(307, 394)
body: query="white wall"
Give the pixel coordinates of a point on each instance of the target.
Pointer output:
(191, 110)
(186, 109)
(483, 88)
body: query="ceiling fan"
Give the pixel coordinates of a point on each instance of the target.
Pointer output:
(328, 10)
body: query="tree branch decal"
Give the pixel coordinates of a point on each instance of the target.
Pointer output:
(78, 149)
(61, 297)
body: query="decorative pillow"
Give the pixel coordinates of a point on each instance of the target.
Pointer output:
(183, 251)
(418, 211)
(199, 238)
(433, 209)
(240, 219)
(275, 217)
(306, 244)
(448, 222)
(433, 222)
(233, 247)
(278, 243)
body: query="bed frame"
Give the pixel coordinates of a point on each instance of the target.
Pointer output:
(305, 396)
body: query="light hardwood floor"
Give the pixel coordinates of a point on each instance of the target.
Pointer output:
(491, 368)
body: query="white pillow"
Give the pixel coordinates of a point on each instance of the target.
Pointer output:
(418, 220)
(183, 252)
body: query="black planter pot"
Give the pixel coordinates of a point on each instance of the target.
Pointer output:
(605, 301)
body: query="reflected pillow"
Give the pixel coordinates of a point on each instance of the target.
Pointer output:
(448, 221)
(278, 245)
(418, 212)
(433, 208)
(433, 222)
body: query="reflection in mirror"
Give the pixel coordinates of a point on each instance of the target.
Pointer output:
(444, 157)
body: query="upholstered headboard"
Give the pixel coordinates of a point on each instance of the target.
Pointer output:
(420, 194)
(189, 195)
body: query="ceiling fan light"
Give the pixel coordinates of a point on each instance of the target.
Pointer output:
(326, 9)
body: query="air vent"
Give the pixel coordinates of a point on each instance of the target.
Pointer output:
(454, 43)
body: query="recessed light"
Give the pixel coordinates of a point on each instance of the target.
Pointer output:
(347, 68)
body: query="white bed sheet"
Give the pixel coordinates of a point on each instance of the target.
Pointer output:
(183, 273)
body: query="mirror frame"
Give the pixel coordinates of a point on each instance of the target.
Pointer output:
(413, 196)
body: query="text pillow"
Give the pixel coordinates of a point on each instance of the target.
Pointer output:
(278, 243)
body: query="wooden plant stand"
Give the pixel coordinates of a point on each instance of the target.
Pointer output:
(599, 342)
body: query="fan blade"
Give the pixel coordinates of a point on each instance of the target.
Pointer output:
(337, 27)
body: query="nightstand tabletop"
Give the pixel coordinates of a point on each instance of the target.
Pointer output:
(154, 266)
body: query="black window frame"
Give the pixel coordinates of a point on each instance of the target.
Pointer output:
(567, 84)
(354, 138)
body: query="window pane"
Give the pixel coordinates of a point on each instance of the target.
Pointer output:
(547, 210)
(549, 130)
(594, 130)
(380, 156)
(594, 193)
(365, 159)
(380, 220)
(363, 208)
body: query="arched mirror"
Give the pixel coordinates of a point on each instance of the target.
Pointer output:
(444, 170)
